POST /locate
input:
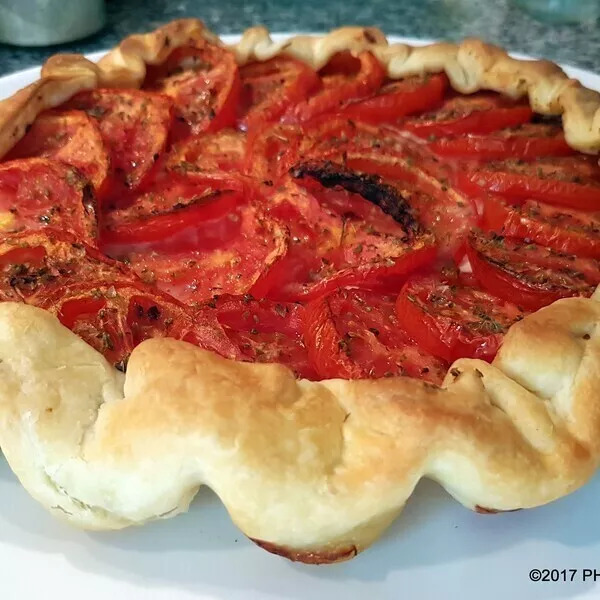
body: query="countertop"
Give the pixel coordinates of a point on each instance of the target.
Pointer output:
(496, 21)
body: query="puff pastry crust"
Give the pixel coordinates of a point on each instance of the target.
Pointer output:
(314, 471)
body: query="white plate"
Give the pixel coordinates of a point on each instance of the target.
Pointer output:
(436, 549)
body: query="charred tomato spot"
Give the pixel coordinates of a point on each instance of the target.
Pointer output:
(370, 187)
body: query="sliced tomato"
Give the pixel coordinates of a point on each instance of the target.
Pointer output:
(114, 318)
(271, 152)
(355, 334)
(344, 78)
(570, 181)
(441, 208)
(233, 266)
(265, 331)
(178, 212)
(528, 141)
(33, 266)
(87, 313)
(37, 193)
(270, 87)
(564, 230)
(479, 113)
(398, 99)
(453, 320)
(223, 150)
(340, 238)
(382, 151)
(134, 126)
(203, 80)
(71, 137)
(330, 136)
(154, 314)
(527, 274)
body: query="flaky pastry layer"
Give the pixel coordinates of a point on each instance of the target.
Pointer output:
(314, 471)
(471, 65)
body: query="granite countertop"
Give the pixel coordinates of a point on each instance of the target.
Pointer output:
(496, 21)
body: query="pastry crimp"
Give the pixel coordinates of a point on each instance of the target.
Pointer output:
(471, 65)
(314, 471)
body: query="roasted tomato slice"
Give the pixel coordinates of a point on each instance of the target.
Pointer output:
(177, 213)
(479, 113)
(71, 137)
(355, 334)
(224, 150)
(527, 274)
(270, 87)
(330, 136)
(271, 152)
(343, 78)
(114, 318)
(340, 237)
(569, 181)
(265, 331)
(231, 266)
(527, 142)
(564, 230)
(204, 82)
(398, 99)
(134, 126)
(37, 193)
(34, 265)
(453, 320)
(441, 208)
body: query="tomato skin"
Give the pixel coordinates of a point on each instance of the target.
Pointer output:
(134, 126)
(480, 113)
(427, 310)
(341, 236)
(71, 137)
(354, 334)
(338, 88)
(265, 331)
(398, 99)
(269, 88)
(440, 207)
(220, 151)
(566, 231)
(529, 275)
(38, 193)
(200, 226)
(114, 318)
(527, 142)
(366, 276)
(204, 82)
(33, 265)
(227, 266)
(570, 181)
(177, 212)
(271, 152)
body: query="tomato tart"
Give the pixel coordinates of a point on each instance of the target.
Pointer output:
(304, 273)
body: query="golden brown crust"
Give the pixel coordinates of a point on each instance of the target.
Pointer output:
(311, 471)
(471, 65)
(314, 471)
